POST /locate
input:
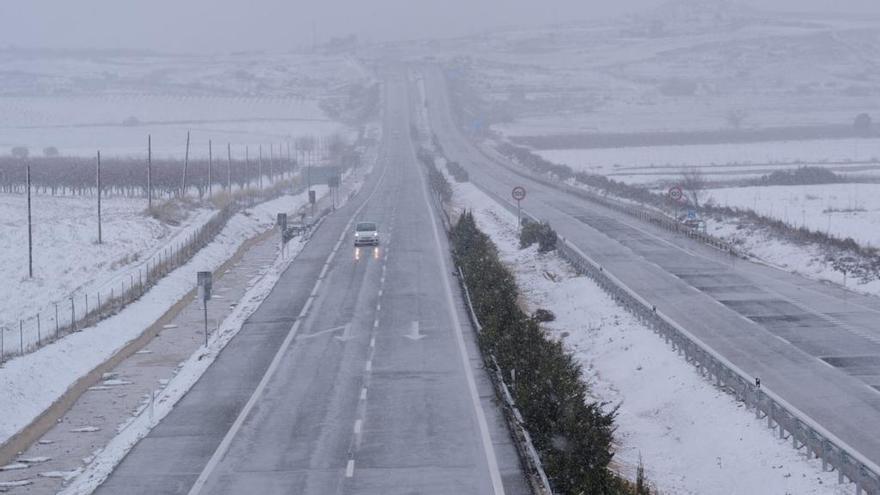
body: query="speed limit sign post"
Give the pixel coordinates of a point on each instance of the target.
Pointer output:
(676, 195)
(518, 193)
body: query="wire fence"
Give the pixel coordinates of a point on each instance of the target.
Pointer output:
(83, 309)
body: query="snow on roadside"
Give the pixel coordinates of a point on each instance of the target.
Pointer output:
(33, 382)
(193, 368)
(67, 259)
(692, 437)
(190, 371)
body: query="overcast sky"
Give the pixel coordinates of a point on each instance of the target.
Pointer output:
(229, 25)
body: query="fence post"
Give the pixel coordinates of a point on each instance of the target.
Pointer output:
(21, 336)
(56, 319)
(72, 314)
(39, 331)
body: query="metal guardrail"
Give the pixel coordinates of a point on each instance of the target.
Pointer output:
(790, 422)
(651, 216)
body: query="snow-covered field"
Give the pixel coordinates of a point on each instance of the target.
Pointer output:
(657, 165)
(67, 258)
(78, 103)
(78, 126)
(33, 382)
(842, 210)
(693, 438)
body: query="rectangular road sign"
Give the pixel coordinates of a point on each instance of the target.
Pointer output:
(205, 281)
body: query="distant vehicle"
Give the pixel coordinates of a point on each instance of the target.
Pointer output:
(366, 234)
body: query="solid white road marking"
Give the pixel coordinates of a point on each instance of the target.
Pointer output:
(488, 447)
(322, 332)
(346, 334)
(349, 468)
(218, 455)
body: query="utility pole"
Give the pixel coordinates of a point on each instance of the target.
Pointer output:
(185, 165)
(260, 169)
(210, 170)
(229, 168)
(149, 172)
(100, 240)
(30, 228)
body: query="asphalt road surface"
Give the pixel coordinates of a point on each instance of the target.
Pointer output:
(811, 343)
(358, 374)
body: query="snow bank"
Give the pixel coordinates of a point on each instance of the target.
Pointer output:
(693, 438)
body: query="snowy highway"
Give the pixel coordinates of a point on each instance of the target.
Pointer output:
(358, 374)
(813, 344)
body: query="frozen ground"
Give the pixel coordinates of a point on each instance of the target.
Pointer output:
(78, 102)
(684, 66)
(33, 382)
(842, 210)
(659, 165)
(67, 258)
(693, 438)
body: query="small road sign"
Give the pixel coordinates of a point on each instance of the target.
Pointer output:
(204, 283)
(518, 193)
(675, 193)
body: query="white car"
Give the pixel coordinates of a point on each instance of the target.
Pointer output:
(366, 234)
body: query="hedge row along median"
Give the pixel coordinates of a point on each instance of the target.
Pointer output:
(573, 436)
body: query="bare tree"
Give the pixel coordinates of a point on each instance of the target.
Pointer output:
(693, 183)
(736, 117)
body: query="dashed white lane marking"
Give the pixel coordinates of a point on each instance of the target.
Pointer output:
(369, 366)
(358, 424)
(364, 393)
(376, 323)
(372, 341)
(380, 292)
(223, 448)
(323, 272)
(379, 307)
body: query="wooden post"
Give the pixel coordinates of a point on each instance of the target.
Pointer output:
(100, 239)
(30, 226)
(185, 166)
(229, 167)
(210, 169)
(149, 172)
(260, 169)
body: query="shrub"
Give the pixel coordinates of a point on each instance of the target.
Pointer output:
(457, 171)
(800, 176)
(573, 437)
(862, 124)
(542, 315)
(541, 233)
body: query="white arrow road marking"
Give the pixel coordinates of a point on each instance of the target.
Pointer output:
(323, 332)
(414, 332)
(346, 334)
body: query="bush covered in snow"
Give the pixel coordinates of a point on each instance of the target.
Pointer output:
(800, 176)
(542, 233)
(437, 181)
(457, 171)
(573, 436)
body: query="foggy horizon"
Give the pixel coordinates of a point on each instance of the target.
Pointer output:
(271, 25)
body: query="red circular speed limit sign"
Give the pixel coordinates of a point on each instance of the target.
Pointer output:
(675, 193)
(518, 193)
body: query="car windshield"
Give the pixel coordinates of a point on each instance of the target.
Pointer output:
(366, 227)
